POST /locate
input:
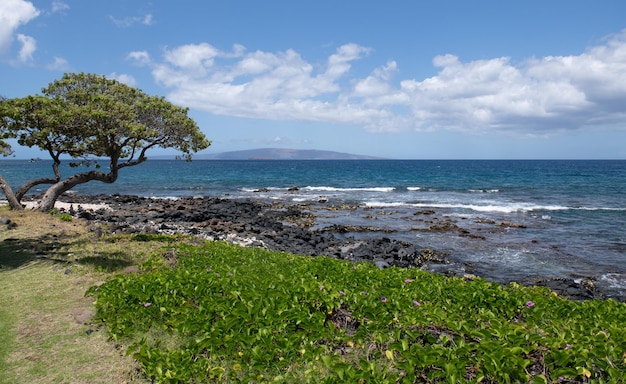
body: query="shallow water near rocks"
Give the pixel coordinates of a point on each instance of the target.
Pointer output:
(495, 250)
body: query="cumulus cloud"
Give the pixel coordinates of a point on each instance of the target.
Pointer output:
(536, 96)
(13, 14)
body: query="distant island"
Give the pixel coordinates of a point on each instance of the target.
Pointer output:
(283, 154)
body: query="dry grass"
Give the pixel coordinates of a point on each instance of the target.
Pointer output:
(46, 335)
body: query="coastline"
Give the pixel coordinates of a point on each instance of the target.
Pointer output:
(288, 228)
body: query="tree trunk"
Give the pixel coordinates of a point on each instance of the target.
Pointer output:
(8, 192)
(46, 204)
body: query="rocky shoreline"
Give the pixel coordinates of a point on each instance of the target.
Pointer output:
(279, 227)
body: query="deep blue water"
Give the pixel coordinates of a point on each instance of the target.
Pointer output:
(574, 211)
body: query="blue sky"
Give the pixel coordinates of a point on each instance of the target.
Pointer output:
(397, 79)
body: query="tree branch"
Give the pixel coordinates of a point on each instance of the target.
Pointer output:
(23, 190)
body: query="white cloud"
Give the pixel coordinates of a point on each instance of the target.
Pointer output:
(124, 78)
(148, 19)
(551, 93)
(192, 58)
(14, 13)
(376, 84)
(59, 64)
(29, 45)
(59, 6)
(537, 96)
(139, 57)
(127, 22)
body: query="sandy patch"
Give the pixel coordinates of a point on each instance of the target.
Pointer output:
(60, 205)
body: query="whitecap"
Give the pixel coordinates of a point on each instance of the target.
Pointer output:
(484, 190)
(362, 189)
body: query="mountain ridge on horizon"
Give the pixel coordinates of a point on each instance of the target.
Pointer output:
(283, 154)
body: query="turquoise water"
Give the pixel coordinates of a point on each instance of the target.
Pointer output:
(574, 211)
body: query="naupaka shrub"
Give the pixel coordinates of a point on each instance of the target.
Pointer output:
(222, 313)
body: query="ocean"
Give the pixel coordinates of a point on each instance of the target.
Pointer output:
(569, 217)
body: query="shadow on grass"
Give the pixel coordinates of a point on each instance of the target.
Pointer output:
(15, 253)
(106, 262)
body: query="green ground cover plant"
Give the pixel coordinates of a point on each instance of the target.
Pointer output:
(216, 312)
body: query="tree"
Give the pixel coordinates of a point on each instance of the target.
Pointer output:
(6, 150)
(88, 118)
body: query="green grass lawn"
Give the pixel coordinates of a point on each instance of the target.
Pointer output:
(43, 279)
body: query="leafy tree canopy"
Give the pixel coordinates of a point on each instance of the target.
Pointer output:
(5, 148)
(89, 117)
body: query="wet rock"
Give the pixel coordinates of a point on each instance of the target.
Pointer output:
(437, 225)
(250, 223)
(570, 288)
(382, 264)
(511, 225)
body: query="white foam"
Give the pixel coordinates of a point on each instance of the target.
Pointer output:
(363, 189)
(502, 208)
(490, 207)
(600, 209)
(380, 204)
(484, 190)
(614, 280)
